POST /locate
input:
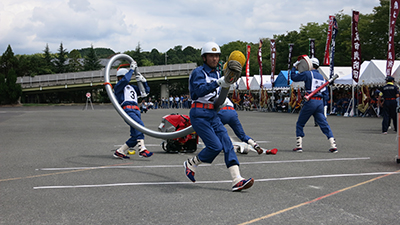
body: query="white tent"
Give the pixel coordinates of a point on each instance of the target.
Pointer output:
(255, 82)
(242, 83)
(339, 70)
(375, 72)
(348, 79)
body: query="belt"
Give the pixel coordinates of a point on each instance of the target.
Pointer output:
(390, 98)
(316, 98)
(202, 105)
(227, 108)
(131, 107)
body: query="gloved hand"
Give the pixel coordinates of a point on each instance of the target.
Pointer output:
(133, 65)
(232, 71)
(140, 78)
(221, 82)
(296, 64)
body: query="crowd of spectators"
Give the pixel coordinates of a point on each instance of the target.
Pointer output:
(366, 102)
(171, 102)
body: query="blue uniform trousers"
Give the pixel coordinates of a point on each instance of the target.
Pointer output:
(389, 112)
(231, 118)
(208, 126)
(313, 108)
(135, 134)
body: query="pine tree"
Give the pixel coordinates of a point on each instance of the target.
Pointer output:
(92, 61)
(48, 59)
(61, 67)
(8, 61)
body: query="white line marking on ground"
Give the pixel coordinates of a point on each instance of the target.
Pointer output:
(216, 164)
(210, 182)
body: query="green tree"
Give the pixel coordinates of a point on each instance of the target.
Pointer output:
(91, 61)
(48, 60)
(8, 61)
(13, 90)
(192, 55)
(74, 63)
(136, 55)
(156, 57)
(61, 58)
(3, 89)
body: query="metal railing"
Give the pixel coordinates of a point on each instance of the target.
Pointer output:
(88, 77)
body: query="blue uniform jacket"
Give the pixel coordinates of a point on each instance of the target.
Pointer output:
(307, 77)
(119, 89)
(198, 86)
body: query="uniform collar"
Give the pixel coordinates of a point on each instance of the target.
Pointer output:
(208, 69)
(390, 83)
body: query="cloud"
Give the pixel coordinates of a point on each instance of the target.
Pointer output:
(121, 24)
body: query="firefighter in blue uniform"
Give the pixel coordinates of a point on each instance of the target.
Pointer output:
(228, 115)
(314, 107)
(204, 87)
(127, 96)
(389, 94)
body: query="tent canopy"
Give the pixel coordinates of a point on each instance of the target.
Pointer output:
(242, 83)
(281, 80)
(339, 70)
(255, 82)
(375, 72)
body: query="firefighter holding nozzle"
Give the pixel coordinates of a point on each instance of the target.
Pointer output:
(315, 105)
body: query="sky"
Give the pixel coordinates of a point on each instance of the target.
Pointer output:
(122, 25)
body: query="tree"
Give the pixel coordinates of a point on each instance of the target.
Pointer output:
(13, 90)
(48, 59)
(136, 55)
(8, 61)
(74, 63)
(61, 58)
(91, 61)
(3, 89)
(156, 57)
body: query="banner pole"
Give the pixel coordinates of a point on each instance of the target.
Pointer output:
(398, 135)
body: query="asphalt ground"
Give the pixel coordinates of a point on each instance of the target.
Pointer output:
(56, 167)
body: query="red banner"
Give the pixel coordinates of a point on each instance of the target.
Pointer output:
(394, 11)
(273, 60)
(328, 41)
(260, 62)
(356, 47)
(248, 67)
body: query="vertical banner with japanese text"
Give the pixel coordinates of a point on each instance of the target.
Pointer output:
(328, 41)
(311, 48)
(333, 44)
(289, 62)
(259, 58)
(273, 60)
(248, 67)
(356, 47)
(394, 11)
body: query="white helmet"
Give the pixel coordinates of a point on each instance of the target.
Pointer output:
(314, 61)
(122, 72)
(210, 47)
